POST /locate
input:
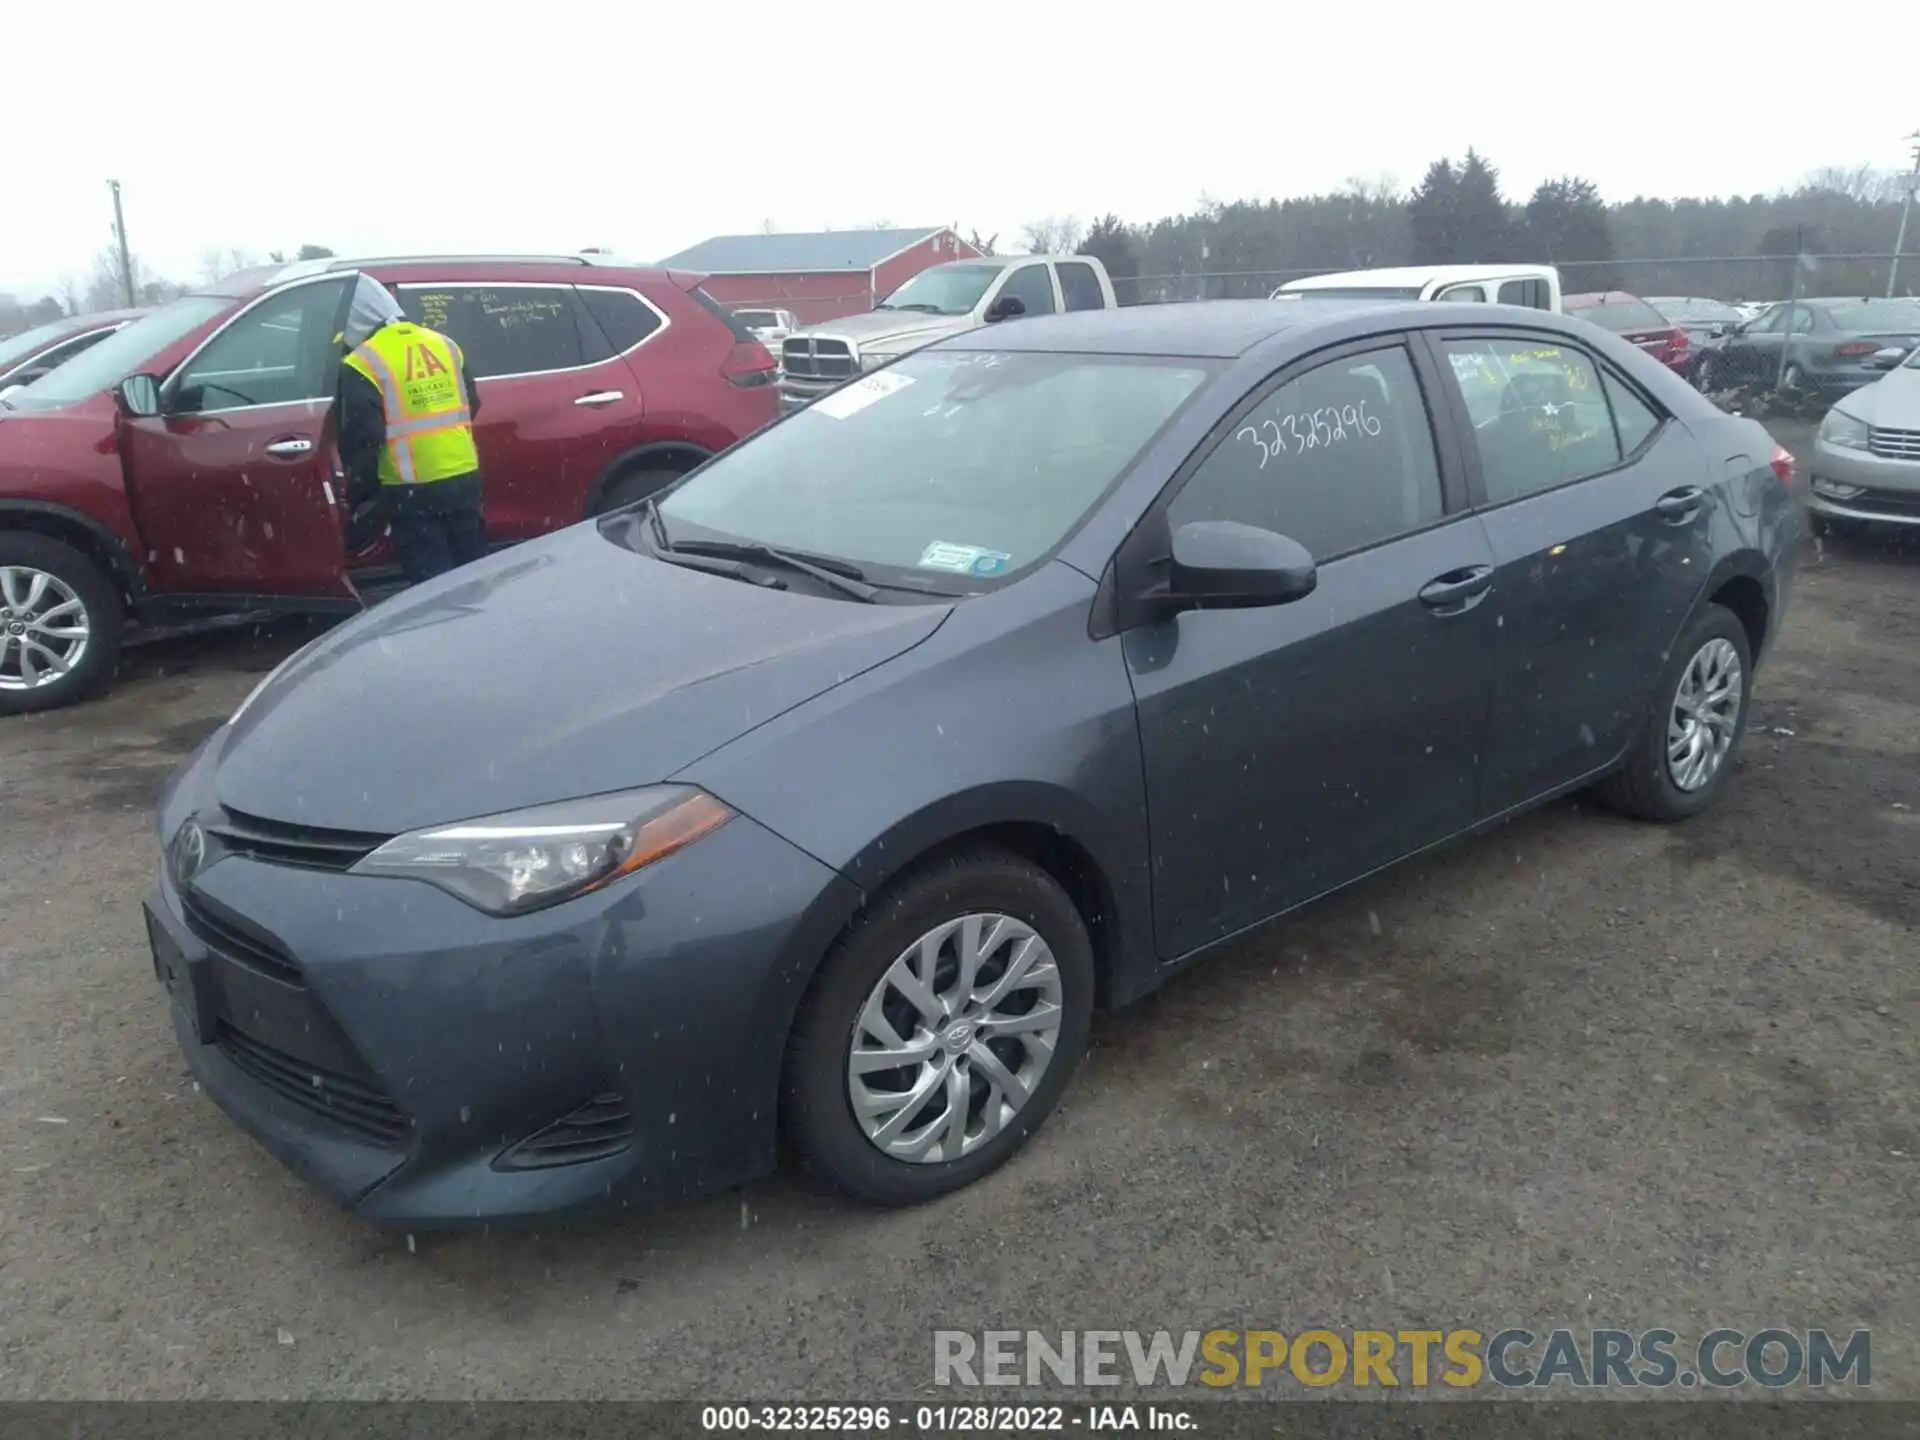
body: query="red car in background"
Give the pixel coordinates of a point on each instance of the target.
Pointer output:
(25, 357)
(186, 463)
(1636, 322)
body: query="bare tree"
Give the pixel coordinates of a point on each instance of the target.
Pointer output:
(216, 263)
(985, 247)
(69, 289)
(1865, 183)
(1054, 235)
(105, 287)
(769, 226)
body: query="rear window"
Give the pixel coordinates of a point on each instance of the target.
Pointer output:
(736, 327)
(1620, 315)
(756, 317)
(1359, 292)
(1876, 315)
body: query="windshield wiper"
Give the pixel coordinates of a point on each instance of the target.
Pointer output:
(842, 575)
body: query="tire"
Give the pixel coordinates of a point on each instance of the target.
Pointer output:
(1646, 786)
(817, 1102)
(1793, 380)
(1706, 375)
(634, 485)
(47, 591)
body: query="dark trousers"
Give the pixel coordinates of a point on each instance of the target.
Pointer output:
(436, 526)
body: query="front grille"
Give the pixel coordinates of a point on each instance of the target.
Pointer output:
(1894, 444)
(278, 843)
(598, 1129)
(356, 1105)
(811, 357)
(236, 943)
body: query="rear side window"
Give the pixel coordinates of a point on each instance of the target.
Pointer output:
(1633, 418)
(502, 329)
(1623, 315)
(1540, 415)
(622, 316)
(1530, 293)
(1338, 458)
(1081, 286)
(741, 334)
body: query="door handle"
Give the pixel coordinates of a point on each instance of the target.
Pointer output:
(601, 397)
(1457, 590)
(1679, 506)
(292, 445)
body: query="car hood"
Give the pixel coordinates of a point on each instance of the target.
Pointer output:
(1892, 401)
(893, 330)
(566, 667)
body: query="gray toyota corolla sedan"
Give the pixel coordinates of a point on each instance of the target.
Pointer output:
(827, 797)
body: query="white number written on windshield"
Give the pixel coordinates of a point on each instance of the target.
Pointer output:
(1309, 430)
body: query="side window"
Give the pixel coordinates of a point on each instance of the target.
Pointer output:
(60, 354)
(1080, 286)
(1540, 417)
(1338, 458)
(280, 352)
(1034, 285)
(1471, 294)
(1633, 418)
(502, 329)
(623, 317)
(1530, 293)
(1803, 320)
(1768, 323)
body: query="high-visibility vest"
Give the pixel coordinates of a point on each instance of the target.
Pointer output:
(421, 377)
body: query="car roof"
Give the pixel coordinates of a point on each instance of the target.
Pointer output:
(1591, 298)
(576, 269)
(1221, 329)
(1404, 275)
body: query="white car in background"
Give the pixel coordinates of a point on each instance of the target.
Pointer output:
(769, 327)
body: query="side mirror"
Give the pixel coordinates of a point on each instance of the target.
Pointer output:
(1224, 565)
(1005, 308)
(1887, 359)
(139, 395)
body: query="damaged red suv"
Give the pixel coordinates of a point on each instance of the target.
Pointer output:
(185, 465)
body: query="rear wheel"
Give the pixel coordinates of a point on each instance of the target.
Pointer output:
(632, 486)
(941, 1030)
(1680, 761)
(1793, 380)
(60, 622)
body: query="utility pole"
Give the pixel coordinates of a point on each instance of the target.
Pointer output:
(1906, 209)
(126, 260)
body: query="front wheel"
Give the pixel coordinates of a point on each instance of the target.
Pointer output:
(60, 621)
(1680, 761)
(941, 1030)
(634, 486)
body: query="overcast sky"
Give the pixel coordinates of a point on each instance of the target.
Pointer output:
(388, 128)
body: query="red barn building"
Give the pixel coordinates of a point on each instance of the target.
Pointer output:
(819, 276)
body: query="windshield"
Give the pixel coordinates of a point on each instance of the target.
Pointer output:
(1621, 315)
(1875, 315)
(949, 466)
(28, 342)
(943, 290)
(120, 354)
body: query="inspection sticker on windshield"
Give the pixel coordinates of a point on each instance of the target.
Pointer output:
(963, 559)
(851, 399)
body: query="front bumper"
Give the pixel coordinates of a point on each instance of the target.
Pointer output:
(398, 1048)
(1888, 490)
(797, 393)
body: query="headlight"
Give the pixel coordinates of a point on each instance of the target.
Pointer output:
(510, 864)
(872, 360)
(1840, 428)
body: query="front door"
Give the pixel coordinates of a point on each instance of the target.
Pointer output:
(232, 483)
(1598, 514)
(1288, 750)
(557, 407)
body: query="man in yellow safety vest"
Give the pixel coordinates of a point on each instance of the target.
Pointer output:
(405, 416)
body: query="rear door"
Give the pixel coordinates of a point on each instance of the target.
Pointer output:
(1290, 749)
(1597, 509)
(232, 484)
(557, 406)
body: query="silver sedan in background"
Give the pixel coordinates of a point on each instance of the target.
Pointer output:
(1866, 457)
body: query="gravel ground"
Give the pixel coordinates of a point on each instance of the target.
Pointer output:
(1580, 1071)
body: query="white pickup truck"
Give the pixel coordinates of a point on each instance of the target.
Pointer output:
(1535, 286)
(941, 300)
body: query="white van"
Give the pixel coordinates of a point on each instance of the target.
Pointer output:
(1535, 286)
